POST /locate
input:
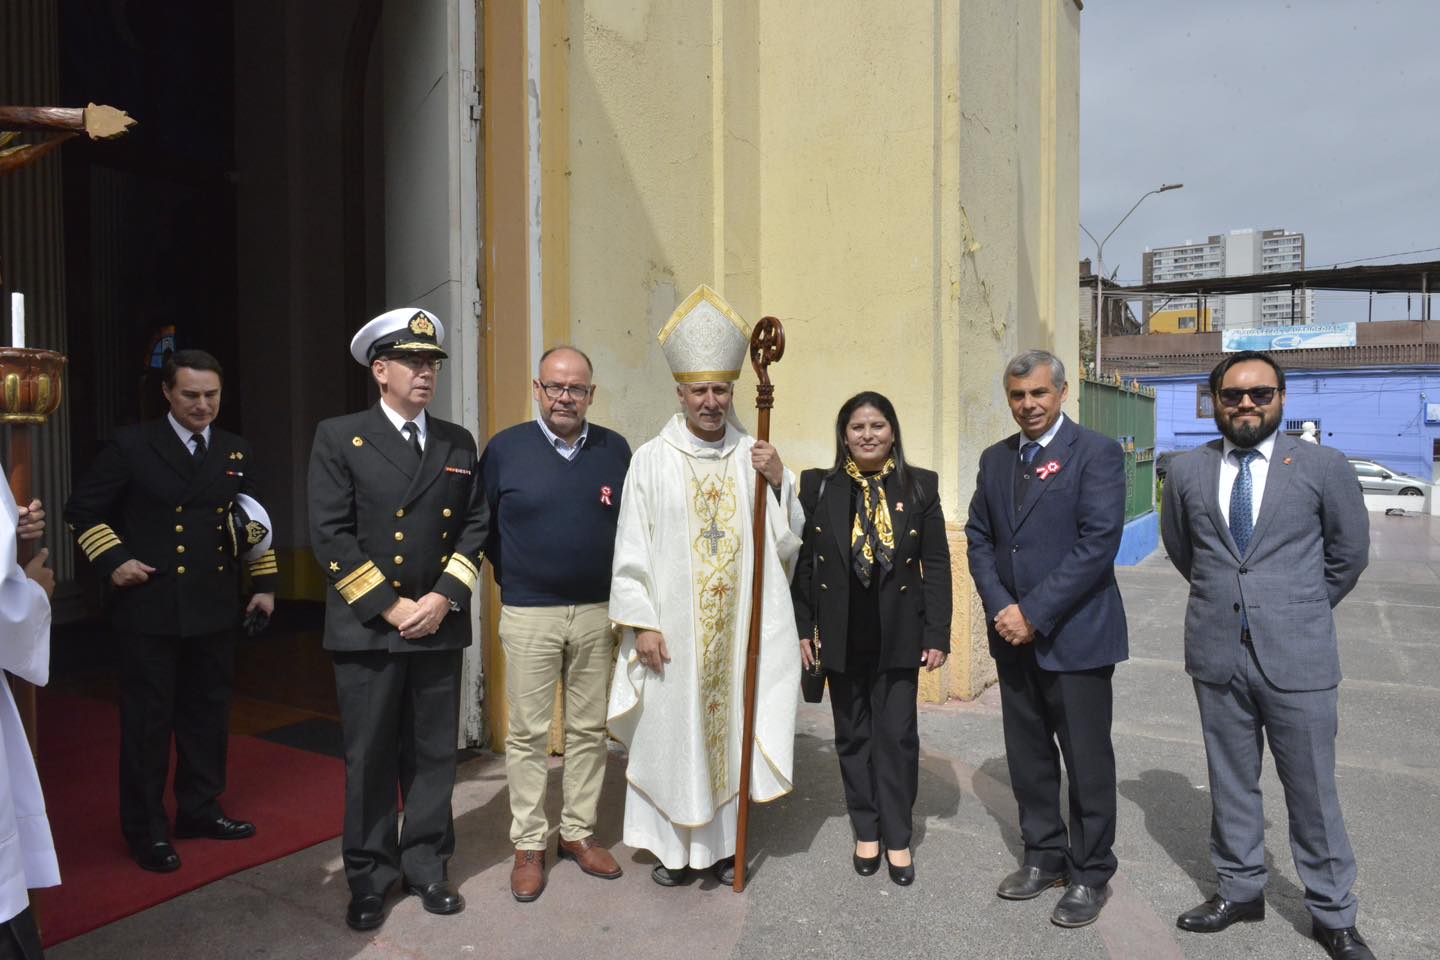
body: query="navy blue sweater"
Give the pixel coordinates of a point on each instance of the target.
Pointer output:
(552, 520)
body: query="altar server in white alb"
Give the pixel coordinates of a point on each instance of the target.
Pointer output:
(681, 594)
(27, 853)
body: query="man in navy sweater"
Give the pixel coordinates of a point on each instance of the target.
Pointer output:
(553, 486)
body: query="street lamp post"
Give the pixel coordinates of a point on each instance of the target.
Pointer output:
(1100, 265)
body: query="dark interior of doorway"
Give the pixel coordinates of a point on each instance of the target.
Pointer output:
(151, 264)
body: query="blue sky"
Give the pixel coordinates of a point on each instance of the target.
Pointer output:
(1313, 115)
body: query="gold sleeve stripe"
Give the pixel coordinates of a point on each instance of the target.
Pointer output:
(98, 532)
(461, 558)
(97, 540)
(356, 587)
(462, 570)
(264, 565)
(359, 571)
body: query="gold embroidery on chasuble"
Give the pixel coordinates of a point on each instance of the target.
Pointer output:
(715, 564)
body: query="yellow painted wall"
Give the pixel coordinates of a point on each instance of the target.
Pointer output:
(897, 182)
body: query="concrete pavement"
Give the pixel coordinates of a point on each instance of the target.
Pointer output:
(805, 901)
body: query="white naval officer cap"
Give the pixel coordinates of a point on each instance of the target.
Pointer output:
(403, 330)
(250, 530)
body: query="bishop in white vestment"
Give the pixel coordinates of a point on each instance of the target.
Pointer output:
(27, 852)
(681, 594)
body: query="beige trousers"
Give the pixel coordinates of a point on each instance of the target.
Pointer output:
(544, 645)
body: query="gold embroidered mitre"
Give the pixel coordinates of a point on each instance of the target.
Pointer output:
(705, 339)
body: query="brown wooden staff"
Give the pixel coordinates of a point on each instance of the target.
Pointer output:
(767, 345)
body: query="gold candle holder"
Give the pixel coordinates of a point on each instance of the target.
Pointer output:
(31, 382)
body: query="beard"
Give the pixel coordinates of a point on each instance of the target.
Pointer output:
(1247, 434)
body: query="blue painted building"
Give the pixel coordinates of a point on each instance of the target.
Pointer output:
(1391, 415)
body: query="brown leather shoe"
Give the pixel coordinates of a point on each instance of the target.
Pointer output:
(592, 858)
(527, 877)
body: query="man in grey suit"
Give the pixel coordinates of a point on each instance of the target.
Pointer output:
(1271, 533)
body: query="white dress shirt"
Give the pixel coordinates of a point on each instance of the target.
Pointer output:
(186, 435)
(566, 450)
(1259, 470)
(420, 421)
(1044, 438)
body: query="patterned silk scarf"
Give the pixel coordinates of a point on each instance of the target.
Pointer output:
(872, 538)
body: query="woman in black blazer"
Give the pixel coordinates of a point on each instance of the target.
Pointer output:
(873, 582)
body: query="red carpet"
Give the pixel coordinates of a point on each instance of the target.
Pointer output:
(293, 796)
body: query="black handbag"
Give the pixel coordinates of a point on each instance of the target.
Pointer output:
(812, 679)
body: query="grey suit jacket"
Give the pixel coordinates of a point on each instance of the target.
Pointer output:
(1311, 541)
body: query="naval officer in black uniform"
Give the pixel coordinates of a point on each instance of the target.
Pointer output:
(155, 516)
(398, 524)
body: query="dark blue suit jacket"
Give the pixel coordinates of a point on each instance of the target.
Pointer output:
(1056, 555)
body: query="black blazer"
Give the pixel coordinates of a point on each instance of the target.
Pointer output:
(1055, 556)
(914, 596)
(384, 526)
(144, 498)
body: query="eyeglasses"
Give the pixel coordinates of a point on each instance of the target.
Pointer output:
(417, 363)
(1260, 396)
(557, 390)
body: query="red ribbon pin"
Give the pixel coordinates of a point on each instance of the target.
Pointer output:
(1049, 470)
(605, 496)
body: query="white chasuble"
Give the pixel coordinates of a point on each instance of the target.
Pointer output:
(684, 566)
(27, 851)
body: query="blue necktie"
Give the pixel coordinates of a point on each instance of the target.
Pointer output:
(1242, 500)
(1028, 452)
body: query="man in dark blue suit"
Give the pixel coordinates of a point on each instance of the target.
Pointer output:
(1044, 528)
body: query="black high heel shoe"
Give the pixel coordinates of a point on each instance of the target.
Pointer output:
(865, 866)
(901, 876)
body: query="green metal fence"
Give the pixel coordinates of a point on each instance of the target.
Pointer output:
(1125, 411)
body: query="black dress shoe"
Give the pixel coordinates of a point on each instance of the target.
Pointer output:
(1217, 913)
(666, 877)
(1343, 944)
(366, 911)
(1027, 883)
(1080, 906)
(157, 857)
(221, 828)
(724, 871)
(438, 897)
(865, 866)
(901, 876)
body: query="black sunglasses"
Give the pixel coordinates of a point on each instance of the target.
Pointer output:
(1260, 396)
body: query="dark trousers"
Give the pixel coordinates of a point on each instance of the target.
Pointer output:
(400, 713)
(1042, 709)
(180, 687)
(878, 743)
(19, 938)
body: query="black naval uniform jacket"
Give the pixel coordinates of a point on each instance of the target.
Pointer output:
(384, 527)
(145, 499)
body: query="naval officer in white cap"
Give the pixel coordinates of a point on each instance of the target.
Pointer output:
(398, 523)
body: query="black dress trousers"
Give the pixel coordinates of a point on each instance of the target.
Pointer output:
(416, 695)
(1042, 709)
(876, 735)
(179, 684)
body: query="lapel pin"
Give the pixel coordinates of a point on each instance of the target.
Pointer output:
(357, 441)
(899, 506)
(1287, 461)
(1049, 470)
(605, 492)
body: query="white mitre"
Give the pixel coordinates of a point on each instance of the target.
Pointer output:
(705, 340)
